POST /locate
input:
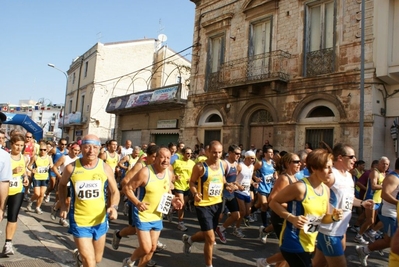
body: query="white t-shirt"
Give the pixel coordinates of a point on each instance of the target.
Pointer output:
(5, 166)
(244, 178)
(341, 197)
(126, 151)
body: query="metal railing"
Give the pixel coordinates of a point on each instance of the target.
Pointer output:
(319, 62)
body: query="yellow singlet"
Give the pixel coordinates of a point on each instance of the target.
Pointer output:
(16, 183)
(42, 168)
(112, 161)
(210, 186)
(88, 196)
(183, 169)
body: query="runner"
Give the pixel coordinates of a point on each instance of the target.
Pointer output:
(5, 173)
(183, 169)
(307, 207)
(39, 166)
(206, 185)
(16, 189)
(153, 199)
(88, 215)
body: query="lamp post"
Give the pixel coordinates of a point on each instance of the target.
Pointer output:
(66, 91)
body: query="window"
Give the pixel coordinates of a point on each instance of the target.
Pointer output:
(86, 68)
(214, 60)
(261, 116)
(259, 48)
(73, 78)
(82, 103)
(319, 30)
(70, 106)
(315, 136)
(214, 118)
(321, 111)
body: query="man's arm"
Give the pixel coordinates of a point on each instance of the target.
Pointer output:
(5, 176)
(198, 171)
(374, 180)
(139, 179)
(130, 174)
(121, 163)
(56, 166)
(389, 185)
(113, 190)
(62, 189)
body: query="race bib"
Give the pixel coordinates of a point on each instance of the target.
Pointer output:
(14, 182)
(268, 178)
(348, 203)
(87, 190)
(41, 169)
(313, 223)
(246, 187)
(215, 189)
(165, 203)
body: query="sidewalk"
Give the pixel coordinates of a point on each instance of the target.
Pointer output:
(34, 246)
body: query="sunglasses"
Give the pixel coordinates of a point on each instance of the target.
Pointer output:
(351, 156)
(237, 153)
(43, 149)
(28, 136)
(295, 161)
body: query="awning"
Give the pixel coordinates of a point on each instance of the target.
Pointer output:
(170, 131)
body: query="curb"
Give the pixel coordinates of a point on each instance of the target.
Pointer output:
(61, 253)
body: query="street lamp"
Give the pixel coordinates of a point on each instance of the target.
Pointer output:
(66, 91)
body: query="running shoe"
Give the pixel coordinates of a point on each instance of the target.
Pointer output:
(186, 244)
(362, 255)
(181, 227)
(29, 207)
(47, 198)
(127, 263)
(53, 214)
(246, 222)
(115, 240)
(64, 222)
(221, 235)
(360, 239)
(238, 233)
(263, 235)
(151, 263)
(160, 246)
(8, 249)
(371, 236)
(39, 211)
(78, 260)
(262, 263)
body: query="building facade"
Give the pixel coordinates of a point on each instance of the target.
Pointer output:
(106, 71)
(288, 71)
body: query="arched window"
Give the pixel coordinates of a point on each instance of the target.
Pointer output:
(261, 116)
(320, 111)
(213, 118)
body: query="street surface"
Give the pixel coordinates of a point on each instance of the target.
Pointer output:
(55, 245)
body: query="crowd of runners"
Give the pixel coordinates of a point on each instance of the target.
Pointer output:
(306, 198)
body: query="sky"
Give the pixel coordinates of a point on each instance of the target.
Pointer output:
(35, 33)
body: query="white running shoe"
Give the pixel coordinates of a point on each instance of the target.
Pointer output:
(127, 263)
(8, 249)
(181, 227)
(360, 239)
(261, 263)
(362, 255)
(186, 245)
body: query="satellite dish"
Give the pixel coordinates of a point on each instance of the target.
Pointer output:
(162, 37)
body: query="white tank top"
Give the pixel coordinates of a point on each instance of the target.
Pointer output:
(388, 209)
(244, 178)
(341, 197)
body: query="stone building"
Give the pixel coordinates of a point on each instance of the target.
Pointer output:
(107, 71)
(288, 71)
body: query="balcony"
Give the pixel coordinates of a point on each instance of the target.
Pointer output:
(74, 118)
(320, 62)
(168, 97)
(262, 68)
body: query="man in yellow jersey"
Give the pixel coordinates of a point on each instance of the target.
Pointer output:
(374, 186)
(206, 184)
(153, 184)
(90, 178)
(111, 157)
(5, 173)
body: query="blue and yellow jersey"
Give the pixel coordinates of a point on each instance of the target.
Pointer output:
(312, 206)
(42, 168)
(183, 169)
(16, 183)
(374, 194)
(88, 194)
(152, 194)
(112, 161)
(210, 186)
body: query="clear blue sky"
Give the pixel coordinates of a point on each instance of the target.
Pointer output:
(34, 33)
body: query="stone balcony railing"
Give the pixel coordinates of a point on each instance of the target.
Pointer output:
(261, 68)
